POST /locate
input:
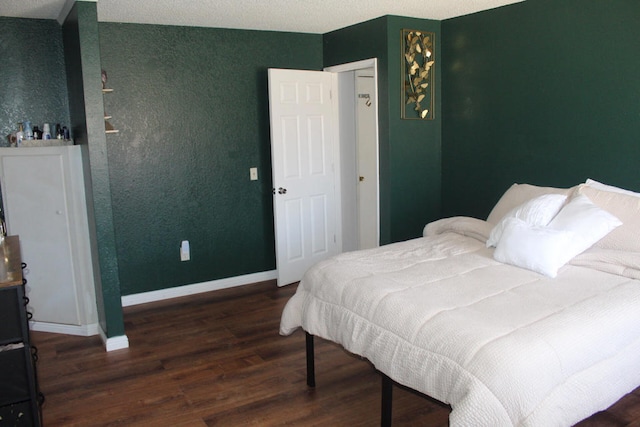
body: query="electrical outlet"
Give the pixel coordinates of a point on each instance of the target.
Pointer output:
(185, 251)
(253, 174)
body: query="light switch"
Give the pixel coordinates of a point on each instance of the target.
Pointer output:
(185, 251)
(253, 174)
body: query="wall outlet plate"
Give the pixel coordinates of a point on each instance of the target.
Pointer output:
(185, 251)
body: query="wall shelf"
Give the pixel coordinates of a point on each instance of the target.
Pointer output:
(108, 127)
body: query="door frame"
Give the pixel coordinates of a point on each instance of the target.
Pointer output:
(346, 133)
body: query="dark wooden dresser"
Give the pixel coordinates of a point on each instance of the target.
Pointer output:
(20, 398)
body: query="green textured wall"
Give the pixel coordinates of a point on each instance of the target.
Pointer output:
(33, 85)
(415, 145)
(541, 91)
(544, 92)
(82, 53)
(191, 105)
(410, 150)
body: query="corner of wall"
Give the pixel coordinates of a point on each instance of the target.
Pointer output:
(83, 62)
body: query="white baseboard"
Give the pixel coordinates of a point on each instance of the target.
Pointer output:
(59, 328)
(110, 344)
(114, 343)
(122, 341)
(197, 288)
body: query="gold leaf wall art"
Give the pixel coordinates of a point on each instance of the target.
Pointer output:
(418, 57)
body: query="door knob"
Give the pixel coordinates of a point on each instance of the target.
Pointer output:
(282, 190)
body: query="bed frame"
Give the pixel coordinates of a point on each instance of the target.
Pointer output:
(387, 383)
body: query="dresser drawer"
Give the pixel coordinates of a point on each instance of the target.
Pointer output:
(14, 378)
(18, 414)
(10, 316)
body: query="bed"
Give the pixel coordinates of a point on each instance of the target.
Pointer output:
(530, 318)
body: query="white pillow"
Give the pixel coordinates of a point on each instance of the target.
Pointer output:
(539, 249)
(537, 211)
(624, 207)
(589, 223)
(518, 194)
(577, 226)
(605, 187)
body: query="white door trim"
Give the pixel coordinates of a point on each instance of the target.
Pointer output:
(352, 67)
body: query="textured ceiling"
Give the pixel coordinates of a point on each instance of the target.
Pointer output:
(306, 16)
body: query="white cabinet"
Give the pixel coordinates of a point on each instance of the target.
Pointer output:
(44, 203)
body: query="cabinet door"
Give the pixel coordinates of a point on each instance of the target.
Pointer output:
(35, 198)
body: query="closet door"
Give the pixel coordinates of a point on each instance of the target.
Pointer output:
(35, 196)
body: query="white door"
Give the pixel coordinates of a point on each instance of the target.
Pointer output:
(304, 171)
(35, 199)
(367, 161)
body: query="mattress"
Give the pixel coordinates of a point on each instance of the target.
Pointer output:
(502, 345)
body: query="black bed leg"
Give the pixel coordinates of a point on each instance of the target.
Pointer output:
(311, 371)
(387, 401)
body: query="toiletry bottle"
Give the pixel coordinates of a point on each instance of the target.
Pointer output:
(28, 132)
(19, 135)
(59, 134)
(46, 131)
(3, 226)
(37, 133)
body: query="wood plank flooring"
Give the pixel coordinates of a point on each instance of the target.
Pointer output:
(216, 359)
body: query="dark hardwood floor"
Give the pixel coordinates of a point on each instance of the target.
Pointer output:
(216, 359)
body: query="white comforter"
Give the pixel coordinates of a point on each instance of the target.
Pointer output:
(502, 345)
